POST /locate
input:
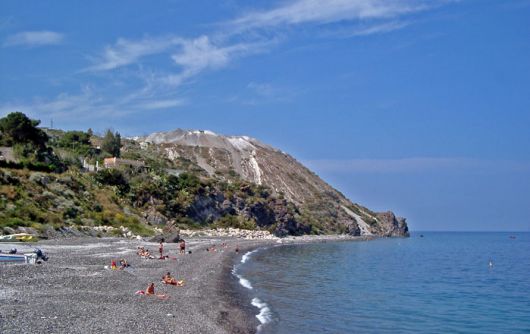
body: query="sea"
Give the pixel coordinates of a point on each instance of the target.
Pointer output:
(432, 282)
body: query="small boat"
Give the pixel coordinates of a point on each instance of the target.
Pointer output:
(26, 258)
(19, 237)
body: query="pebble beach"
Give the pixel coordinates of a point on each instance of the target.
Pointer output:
(77, 292)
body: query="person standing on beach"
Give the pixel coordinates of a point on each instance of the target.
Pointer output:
(161, 248)
(182, 247)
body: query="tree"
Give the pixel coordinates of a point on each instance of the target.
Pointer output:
(111, 143)
(17, 128)
(77, 141)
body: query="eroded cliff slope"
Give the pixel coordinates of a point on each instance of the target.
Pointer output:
(318, 204)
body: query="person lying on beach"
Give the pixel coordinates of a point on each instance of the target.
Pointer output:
(168, 279)
(123, 264)
(143, 252)
(150, 291)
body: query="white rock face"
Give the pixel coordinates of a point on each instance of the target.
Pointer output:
(363, 226)
(202, 138)
(241, 143)
(229, 232)
(241, 150)
(255, 166)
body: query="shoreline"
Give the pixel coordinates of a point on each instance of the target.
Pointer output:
(74, 293)
(253, 306)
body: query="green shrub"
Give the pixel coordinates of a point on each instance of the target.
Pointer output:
(235, 222)
(113, 177)
(14, 222)
(70, 213)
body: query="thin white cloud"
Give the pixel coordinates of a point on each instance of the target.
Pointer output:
(196, 55)
(89, 105)
(201, 54)
(34, 38)
(162, 104)
(126, 52)
(192, 56)
(372, 29)
(329, 11)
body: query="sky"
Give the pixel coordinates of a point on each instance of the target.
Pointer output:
(419, 107)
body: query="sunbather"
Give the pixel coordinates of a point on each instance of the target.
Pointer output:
(144, 253)
(168, 279)
(150, 291)
(123, 264)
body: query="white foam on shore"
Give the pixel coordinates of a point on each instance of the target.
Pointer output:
(247, 256)
(244, 282)
(265, 314)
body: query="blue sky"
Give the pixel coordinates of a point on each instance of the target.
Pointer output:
(421, 107)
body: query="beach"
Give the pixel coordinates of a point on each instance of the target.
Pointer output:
(77, 292)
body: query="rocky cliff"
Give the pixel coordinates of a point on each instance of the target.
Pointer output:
(317, 207)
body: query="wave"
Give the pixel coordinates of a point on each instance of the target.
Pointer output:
(247, 256)
(265, 314)
(244, 282)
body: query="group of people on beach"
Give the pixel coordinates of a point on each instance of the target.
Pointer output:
(144, 253)
(167, 278)
(182, 247)
(213, 248)
(122, 264)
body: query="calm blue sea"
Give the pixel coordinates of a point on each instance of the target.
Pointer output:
(439, 283)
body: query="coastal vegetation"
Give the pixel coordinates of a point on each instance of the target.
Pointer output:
(45, 189)
(70, 182)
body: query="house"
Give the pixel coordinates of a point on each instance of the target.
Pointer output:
(117, 162)
(7, 155)
(89, 167)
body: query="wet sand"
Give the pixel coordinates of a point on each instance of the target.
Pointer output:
(74, 293)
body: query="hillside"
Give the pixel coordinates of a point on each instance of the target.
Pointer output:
(320, 205)
(178, 179)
